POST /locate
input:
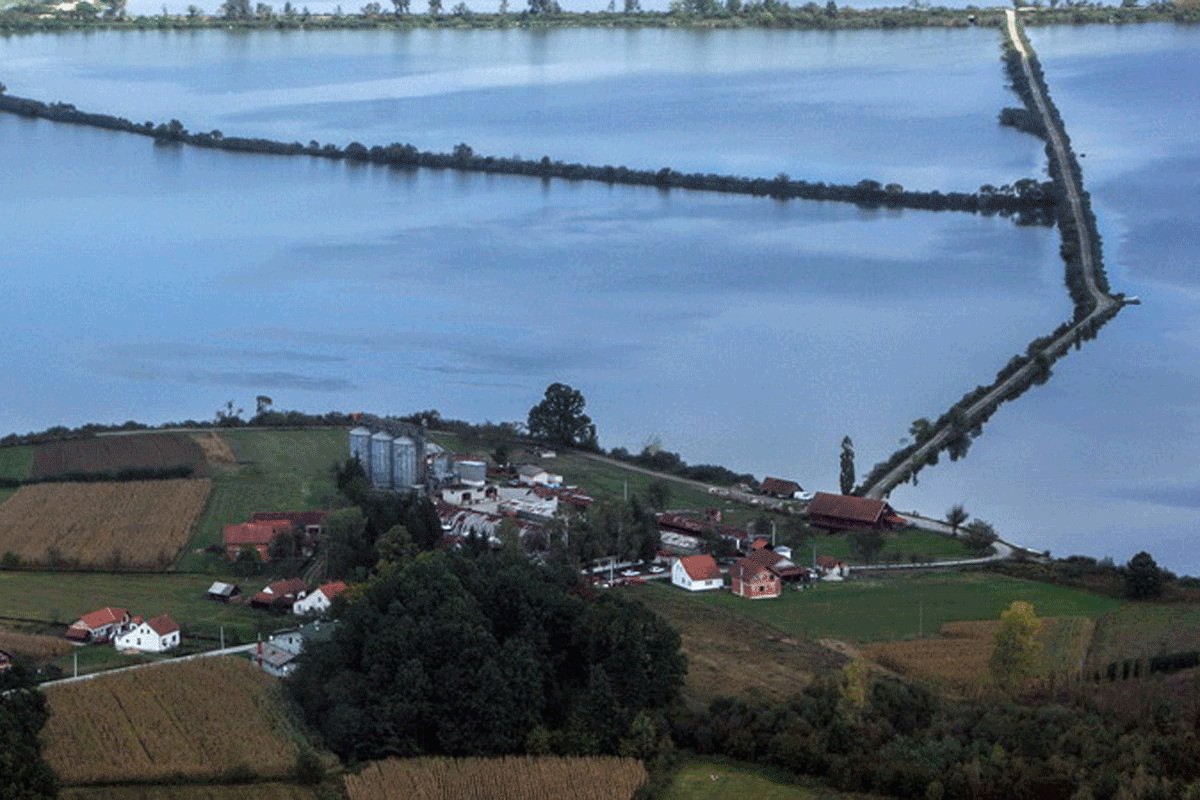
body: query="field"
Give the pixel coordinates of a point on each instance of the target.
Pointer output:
(902, 606)
(1141, 630)
(15, 464)
(57, 599)
(109, 454)
(511, 778)
(729, 654)
(900, 547)
(33, 646)
(277, 471)
(140, 525)
(957, 660)
(721, 779)
(254, 791)
(216, 450)
(205, 719)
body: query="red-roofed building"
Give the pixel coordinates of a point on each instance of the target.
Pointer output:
(846, 513)
(832, 569)
(697, 573)
(280, 595)
(308, 521)
(783, 567)
(258, 535)
(155, 635)
(752, 579)
(779, 487)
(319, 601)
(759, 544)
(100, 625)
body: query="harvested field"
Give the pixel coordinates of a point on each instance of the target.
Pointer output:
(107, 455)
(254, 791)
(205, 719)
(33, 646)
(1144, 630)
(957, 659)
(133, 525)
(216, 450)
(512, 778)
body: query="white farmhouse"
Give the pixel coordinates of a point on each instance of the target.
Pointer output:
(156, 635)
(532, 475)
(697, 573)
(320, 600)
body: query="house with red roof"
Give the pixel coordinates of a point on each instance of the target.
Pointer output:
(320, 600)
(258, 535)
(100, 625)
(753, 580)
(155, 635)
(779, 565)
(780, 487)
(697, 573)
(280, 595)
(841, 512)
(831, 569)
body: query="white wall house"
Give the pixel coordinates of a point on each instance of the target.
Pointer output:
(697, 574)
(531, 475)
(320, 600)
(156, 635)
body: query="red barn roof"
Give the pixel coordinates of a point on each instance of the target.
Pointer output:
(333, 588)
(104, 616)
(255, 533)
(779, 486)
(163, 624)
(277, 591)
(701, 568)
(828, 562)
(759, 543)
(301, 519)
(860, 510)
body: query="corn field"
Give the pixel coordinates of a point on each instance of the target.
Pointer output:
(133, 525)
(254, 791)
(510, 778)
(211, 718)
(32, 646)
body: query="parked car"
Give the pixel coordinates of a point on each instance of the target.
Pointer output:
(657, 570)
(630, 573)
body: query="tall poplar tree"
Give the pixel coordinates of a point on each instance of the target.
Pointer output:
(847, 476)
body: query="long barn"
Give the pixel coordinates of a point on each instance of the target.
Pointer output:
(846, 513)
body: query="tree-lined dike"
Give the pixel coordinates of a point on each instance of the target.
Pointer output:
(1086, 281)
(1027, 201)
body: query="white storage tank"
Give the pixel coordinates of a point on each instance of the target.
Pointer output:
(404, 463)
(381, 461)
(472, 473)
(360, 448)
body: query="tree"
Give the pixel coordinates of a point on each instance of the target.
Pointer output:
(114, 9)
(658, 494)
(1015, 655)
(559, 418)
(347, 546)
(401, 6)
(867, 543)
(285, 545)
(980, 535)
(1143, 577)
(632, 6)
(846, 477)
(229, 416)
(435, 8)
(23, 712)
(956, 516)
(500, 455)
(396, 546)
(247, 561)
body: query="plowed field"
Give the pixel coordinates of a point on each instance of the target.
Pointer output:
(108, 455)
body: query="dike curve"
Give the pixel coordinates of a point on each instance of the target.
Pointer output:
(1081, 250)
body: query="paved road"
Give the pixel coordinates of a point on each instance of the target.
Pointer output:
(228, 651)
(1102, 303)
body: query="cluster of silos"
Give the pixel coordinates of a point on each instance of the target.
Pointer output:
(390, 461)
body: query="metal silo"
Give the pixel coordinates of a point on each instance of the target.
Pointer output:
(360, 447)
(472, 473)
(404, 463)
(381, 461)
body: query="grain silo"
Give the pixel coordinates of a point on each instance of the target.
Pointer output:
(404, 463)
(381, 460)
(472, 473)
(360, 447)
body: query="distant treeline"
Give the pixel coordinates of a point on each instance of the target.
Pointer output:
(673, 464)
(1028, 201)
(120, 475)
(965, 428)
(267, 419)
(32, 16)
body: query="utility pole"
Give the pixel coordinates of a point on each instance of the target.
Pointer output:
(626, 490)
(76, 654)
(222, 637)
(772, 534)
(920, 617)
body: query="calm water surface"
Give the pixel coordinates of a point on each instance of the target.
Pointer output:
(918, 107)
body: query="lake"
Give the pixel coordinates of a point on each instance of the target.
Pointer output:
(155, 283)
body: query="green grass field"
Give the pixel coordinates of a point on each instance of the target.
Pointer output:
(1142, 630)
(277, 471)
(15, 463)
(721, 779)
(900, 547)
(900, 606)
(60, 598)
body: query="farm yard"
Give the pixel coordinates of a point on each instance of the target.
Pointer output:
(253, 791)
(136, 525)
(510, 778)
(957, 659)
(107, 455)
(206, 719)
(275, 471)
(902, 606)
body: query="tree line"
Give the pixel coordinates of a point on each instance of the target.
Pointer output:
(1028, 201)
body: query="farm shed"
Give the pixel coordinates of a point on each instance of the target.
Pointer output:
(781, 488)
(697, 573)
(831, 569)
(280, 595)
(532, 475)
(258, 535)
(320, 600)
(754, 580)
(100, 625)
(223, 592)
(843, 512)
(156, 635)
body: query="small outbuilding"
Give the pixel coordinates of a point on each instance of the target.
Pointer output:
(752, 580)
(532, 475)
(280, 595)
(697, 573)
(223, 592)
(780, 487)
(831, 569)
